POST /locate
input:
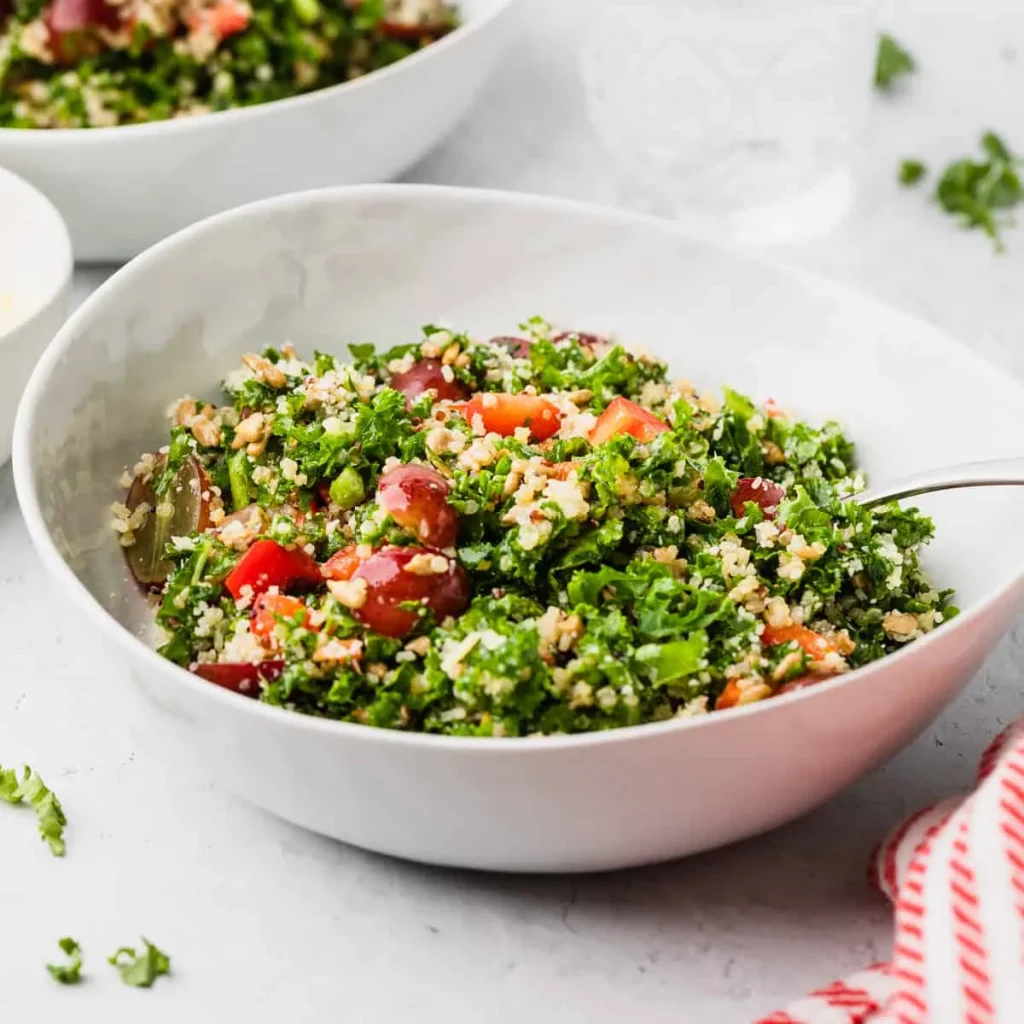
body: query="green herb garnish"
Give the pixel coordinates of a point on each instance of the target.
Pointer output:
(976, 190)
(911, 172)
(48, 810)
(69, 973)
(891, 63)
(140, 970)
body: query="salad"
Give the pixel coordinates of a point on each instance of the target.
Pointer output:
(534, 534)
(100, 63)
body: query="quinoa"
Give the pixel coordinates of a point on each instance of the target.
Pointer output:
(101, 63)
(527, 535)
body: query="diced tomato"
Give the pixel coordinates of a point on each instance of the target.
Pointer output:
(240, 677)
(224, 20)
(773, 410)
(813, 643)
(342, 564)
(764, 493)
(729, 697)
(267, 564)
(503, 414)
(270, 609)
(625, 417)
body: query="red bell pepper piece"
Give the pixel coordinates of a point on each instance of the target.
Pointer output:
(267, 564)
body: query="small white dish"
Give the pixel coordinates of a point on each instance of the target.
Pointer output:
(374, 263)
(121, 189)
(35, 288)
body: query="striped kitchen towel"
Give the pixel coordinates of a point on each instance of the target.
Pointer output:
(955, 875)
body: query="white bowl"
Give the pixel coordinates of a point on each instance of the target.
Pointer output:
(331, 267)
(122, 189)
(35, 289)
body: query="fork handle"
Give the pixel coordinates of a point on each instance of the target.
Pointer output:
(996, 473)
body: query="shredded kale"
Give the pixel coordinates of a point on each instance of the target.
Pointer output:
(49, 813)
(71, 972)
(612, 577)
(140, 970)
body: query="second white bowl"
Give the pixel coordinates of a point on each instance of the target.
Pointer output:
(122, 189)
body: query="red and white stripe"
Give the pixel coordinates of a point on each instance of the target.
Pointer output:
(955, 874)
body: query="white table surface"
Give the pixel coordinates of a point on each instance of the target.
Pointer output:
(277, 925)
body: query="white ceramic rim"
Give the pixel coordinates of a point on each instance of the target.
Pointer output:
(30, 137)
(506, 746)
(59, 259)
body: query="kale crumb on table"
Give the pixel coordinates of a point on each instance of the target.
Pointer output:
(102, 63)
(535, 534)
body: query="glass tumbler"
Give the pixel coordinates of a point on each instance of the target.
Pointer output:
(742, 114)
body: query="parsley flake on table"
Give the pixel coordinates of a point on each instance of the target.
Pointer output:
(911, 172)
(891, 63)
(142, 969)
(69, 973)
(48, 810)
(976, 190)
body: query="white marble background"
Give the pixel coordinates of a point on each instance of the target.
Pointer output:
(274, 925)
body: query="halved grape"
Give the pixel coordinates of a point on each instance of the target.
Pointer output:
(416, 497)
(764, 493)
(395, 582)
(184, 509)
(428, 374)
(239, 676)
(518, 347)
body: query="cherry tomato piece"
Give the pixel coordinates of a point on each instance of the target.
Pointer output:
(426, 375)
(267, 564)
(270, 609)
(237, 676)
(764, 493)
(813, 643)
(341, 564)
(729, 697)
(503, 414)
(416, 497)
(625, 417)
(394, 579)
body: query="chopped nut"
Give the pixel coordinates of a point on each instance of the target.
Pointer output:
(701, 512)
(901, 626)
(338, 650)
(451, 353)
(252, 428)
(419, 645)
(264, 370)
(206, 432)
(430, 350)
(183, 411)
(581, 397)
(426, 564)
(773, 454)
(350, 593)
(777, 613)
(753, 692)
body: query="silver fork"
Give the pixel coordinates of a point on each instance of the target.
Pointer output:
(996, 473)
